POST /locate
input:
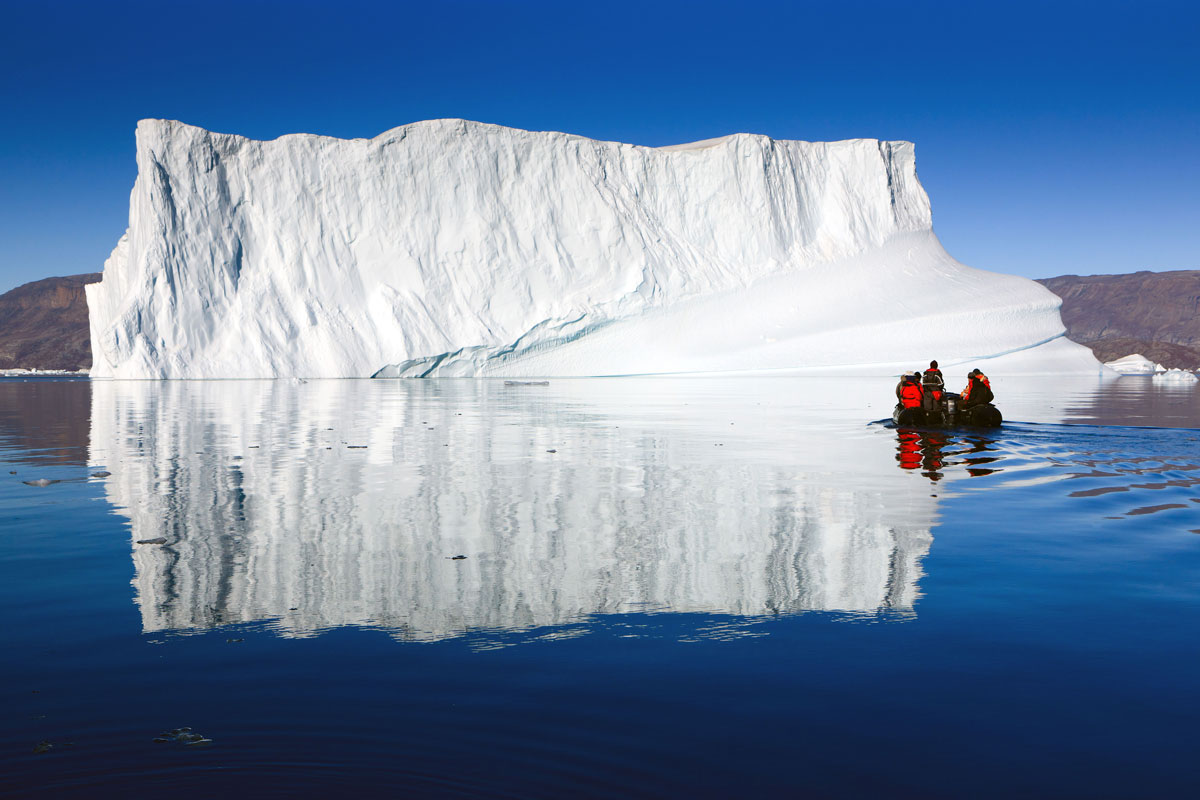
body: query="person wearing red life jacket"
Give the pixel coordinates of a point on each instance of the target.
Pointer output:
(909, 391)
(978, 391)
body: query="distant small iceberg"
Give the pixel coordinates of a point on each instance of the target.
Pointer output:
(23, 372)
(1176, 376)
(1135, 364)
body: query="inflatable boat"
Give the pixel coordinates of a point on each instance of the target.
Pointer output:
(947, 413)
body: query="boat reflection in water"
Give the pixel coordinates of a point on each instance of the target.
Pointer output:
(932, 451)
(332, 503)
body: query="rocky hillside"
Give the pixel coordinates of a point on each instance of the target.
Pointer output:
(44, 324)
(1156, 314)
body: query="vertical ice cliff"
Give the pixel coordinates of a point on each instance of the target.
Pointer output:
(458, 248)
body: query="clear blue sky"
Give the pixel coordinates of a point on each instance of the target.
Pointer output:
(1052, 137)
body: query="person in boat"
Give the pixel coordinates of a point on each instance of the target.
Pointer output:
(909, 392)
(978, 391)
(933, 377)
(933, 385)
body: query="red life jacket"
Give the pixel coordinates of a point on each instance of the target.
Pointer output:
(910, 395)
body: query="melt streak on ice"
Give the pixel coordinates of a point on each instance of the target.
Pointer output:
(457, 248)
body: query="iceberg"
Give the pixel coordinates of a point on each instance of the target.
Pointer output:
(1176, 376)
(456, 248)
(1135, 364)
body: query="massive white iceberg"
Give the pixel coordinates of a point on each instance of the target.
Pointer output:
(458, 248)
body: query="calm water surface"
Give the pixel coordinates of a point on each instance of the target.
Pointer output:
(687, 587)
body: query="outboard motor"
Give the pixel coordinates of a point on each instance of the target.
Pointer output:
(950, 405)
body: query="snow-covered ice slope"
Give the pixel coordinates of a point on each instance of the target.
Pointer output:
(458, 248)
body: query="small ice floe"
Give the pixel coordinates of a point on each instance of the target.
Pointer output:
(527, 383)
(183, 736)
(156, 540)
(40, 482)
(20, 372)
(43, 747)
(101, 474)
(1176, 376)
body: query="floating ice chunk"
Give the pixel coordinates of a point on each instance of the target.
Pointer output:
(1176, 376)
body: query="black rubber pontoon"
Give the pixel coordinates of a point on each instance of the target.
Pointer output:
(948, 413)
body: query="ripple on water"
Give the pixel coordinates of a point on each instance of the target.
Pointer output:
(1125, 472)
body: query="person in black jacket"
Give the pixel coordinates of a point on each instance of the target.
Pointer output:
(933, 377)
(933, 384)
(978, 391)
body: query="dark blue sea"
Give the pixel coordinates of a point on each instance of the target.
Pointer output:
(596, 588)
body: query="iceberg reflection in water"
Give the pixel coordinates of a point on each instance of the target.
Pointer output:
(334, 503)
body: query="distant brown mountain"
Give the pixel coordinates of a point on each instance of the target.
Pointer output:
(44, 324)
(1156, 314)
